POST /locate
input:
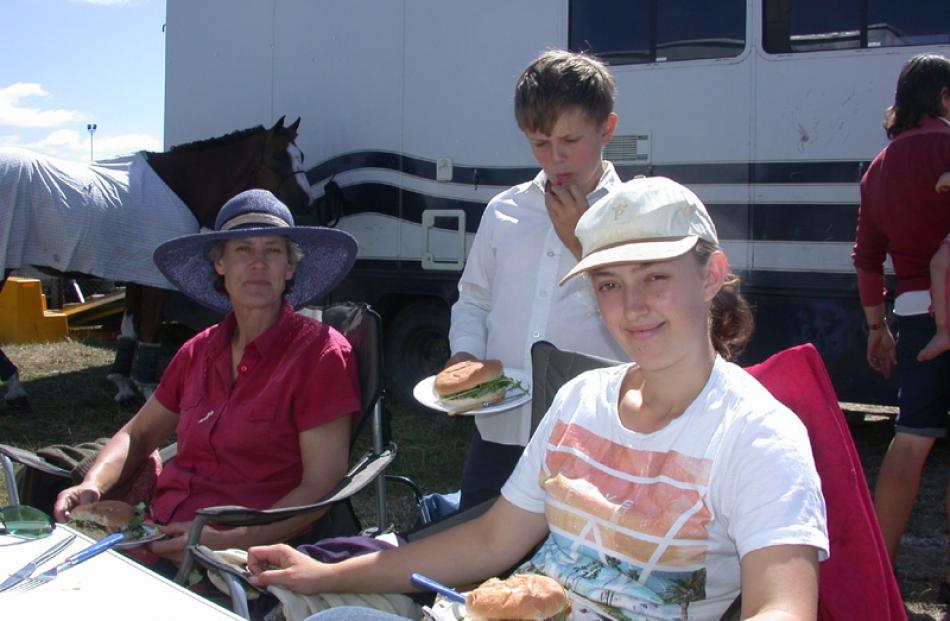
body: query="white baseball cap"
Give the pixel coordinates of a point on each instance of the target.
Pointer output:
(645, 219)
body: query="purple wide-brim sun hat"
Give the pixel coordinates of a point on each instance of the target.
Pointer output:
(328, 253)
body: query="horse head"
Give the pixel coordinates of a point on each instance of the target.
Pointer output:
(282, 170)
(206, 173)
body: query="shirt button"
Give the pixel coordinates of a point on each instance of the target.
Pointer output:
(550, 253)
(243, 368)
(536, 334)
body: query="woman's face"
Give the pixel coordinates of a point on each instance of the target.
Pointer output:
(255, 270)
(658, 312)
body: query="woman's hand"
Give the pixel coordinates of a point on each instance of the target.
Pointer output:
(74, 496)
(882, 350)
(284, 566)
(173, 546)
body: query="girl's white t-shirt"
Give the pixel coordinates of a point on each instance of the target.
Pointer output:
(652, 525)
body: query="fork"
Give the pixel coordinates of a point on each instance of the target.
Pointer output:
(23, 573)
(86, 553)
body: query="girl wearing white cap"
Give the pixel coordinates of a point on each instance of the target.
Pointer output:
(659, 489)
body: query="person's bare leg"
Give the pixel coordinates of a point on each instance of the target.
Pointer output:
(897, 486)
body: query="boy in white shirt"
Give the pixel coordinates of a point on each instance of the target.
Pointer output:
(508, 293)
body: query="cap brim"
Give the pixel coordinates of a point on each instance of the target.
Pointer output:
(328, 256)
(634, 252)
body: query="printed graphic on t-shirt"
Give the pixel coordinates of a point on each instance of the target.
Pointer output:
(628, 527)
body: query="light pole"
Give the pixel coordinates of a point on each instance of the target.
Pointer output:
(91, 128)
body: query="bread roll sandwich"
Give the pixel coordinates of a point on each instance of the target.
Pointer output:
(473, 382)
(98, 519)
(525, 596)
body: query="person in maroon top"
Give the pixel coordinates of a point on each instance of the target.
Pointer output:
(262, 402)
(902, 216)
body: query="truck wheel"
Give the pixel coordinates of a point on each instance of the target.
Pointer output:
(417, 346)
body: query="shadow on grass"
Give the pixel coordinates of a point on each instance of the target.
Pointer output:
(70, 407)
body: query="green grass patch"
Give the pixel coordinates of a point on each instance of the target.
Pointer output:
(72, 402)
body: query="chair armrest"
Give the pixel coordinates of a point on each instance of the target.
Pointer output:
(32, 460)
(364, 472)
(235, 578)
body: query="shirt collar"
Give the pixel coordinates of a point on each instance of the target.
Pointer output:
(263, 342)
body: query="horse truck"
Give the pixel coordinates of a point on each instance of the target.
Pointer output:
(770, 110)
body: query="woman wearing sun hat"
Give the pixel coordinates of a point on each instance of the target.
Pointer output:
(262, 402)
(657, 489)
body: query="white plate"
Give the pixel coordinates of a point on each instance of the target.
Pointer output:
(425, 394)
(151, 534)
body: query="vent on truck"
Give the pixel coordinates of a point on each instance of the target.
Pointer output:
(628, 149)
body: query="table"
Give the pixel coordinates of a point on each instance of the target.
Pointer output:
(105, 587)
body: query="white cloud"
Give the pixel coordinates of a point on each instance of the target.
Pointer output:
(71, 144)
(12, 113)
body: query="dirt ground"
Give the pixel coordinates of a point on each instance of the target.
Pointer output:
(922, 560)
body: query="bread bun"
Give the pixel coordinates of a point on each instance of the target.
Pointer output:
(466, 375)
(525, 596)
(113, 515)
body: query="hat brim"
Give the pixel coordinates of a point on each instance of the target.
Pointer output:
(634, 252)
(329, 255)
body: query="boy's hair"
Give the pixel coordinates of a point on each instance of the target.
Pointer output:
(557, 81)
(921, 81)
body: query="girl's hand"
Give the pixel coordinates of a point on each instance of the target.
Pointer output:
(284, 566)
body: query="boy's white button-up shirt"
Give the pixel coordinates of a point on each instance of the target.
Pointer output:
(509, 295)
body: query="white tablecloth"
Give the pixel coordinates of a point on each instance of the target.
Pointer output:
(106, 587)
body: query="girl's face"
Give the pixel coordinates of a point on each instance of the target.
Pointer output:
(658, 312)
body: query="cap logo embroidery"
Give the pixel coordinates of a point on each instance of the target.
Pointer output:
(618, 211)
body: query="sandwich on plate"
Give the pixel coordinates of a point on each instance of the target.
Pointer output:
(102, 518)
(472, 383)
(526, 596)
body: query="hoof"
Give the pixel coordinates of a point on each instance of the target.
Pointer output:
(18, 403)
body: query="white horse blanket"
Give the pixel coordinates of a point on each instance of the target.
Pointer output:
(102, 219)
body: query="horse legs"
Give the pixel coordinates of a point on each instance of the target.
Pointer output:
(122, 365)
(15, 396)
(145, 366)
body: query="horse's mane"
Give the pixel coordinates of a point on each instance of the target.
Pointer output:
(213, 142)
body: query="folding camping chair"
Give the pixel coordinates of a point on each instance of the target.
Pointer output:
(362, 326)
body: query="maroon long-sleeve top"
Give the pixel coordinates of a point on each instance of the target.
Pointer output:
(901, 214)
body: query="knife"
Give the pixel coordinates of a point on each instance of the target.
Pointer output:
(24, 572)
(86, 553)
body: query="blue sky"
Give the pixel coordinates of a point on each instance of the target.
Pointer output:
(67, 63)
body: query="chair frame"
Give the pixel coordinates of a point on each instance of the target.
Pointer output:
(349, 318)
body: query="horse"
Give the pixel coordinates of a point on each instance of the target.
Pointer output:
(175, 193)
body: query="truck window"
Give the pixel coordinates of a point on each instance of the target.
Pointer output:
(627, 32)
(815, 25)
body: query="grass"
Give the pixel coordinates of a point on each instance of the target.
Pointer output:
(72, 402)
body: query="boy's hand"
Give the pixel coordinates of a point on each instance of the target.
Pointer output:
(566, 205)
(462, 356)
